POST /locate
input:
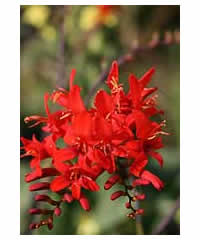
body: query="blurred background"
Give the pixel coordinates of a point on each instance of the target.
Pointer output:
(92, 37)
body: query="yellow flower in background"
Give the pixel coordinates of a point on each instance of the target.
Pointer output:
(88, 17)
(48, 32)
(88, 226)
(93, 15)
(36, 15)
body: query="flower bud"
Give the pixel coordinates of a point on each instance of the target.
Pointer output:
(84, 203)
(140, 197)
(68, 197)
(116, 195)
(111, 181)
(127, 205)
(40, 211)
(39, 186)
(139, 181)
(139, 211)
(57, 211)
(41, 197)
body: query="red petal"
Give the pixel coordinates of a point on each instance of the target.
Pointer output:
(139, 164)
(156, 182)
(64, 154)
(46, 98)
(89, 184)
(113, 75)
(82, 125)
(113, 165)
(75, 102)
(103, 128)
(156, 143)
(103, 103)
(146, 78)
(60, 98)
(59, 183)
(76, 190)
(135, 90)
(143, 125)
(61, 167)
(70, 137)
(71, 79)
(157, 156)
(147, 91)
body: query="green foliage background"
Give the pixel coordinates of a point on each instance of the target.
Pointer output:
(90, 49)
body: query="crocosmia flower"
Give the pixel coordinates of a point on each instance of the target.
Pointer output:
(116, 135)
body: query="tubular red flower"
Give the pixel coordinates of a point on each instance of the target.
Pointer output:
(156, 182)
(117, 194)
(111, 181)
(39, 186)
(117, 135)
(84, 202)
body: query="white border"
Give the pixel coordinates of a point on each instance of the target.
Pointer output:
(102, 2)
(190, 115)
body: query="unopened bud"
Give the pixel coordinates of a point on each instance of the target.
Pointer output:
(127, 205)
(139, 181)
(41, 197)
(39, 186)
(84, 203)
(111, 181)
(57, 211)
(68, 197)
(139, 211)
(117, 194)
(40, 211)
(140, 197)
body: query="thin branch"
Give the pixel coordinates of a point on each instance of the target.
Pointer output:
(166, 220)
(61, 49)
(136, 51)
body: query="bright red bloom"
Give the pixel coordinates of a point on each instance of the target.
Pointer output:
(117, 135)
(35, 149)
(75, 178)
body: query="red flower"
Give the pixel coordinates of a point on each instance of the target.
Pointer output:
(35, 149)
(74, 177)
(116, 135)
(147, 178)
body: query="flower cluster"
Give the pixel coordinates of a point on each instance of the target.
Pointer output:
(116, 135)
